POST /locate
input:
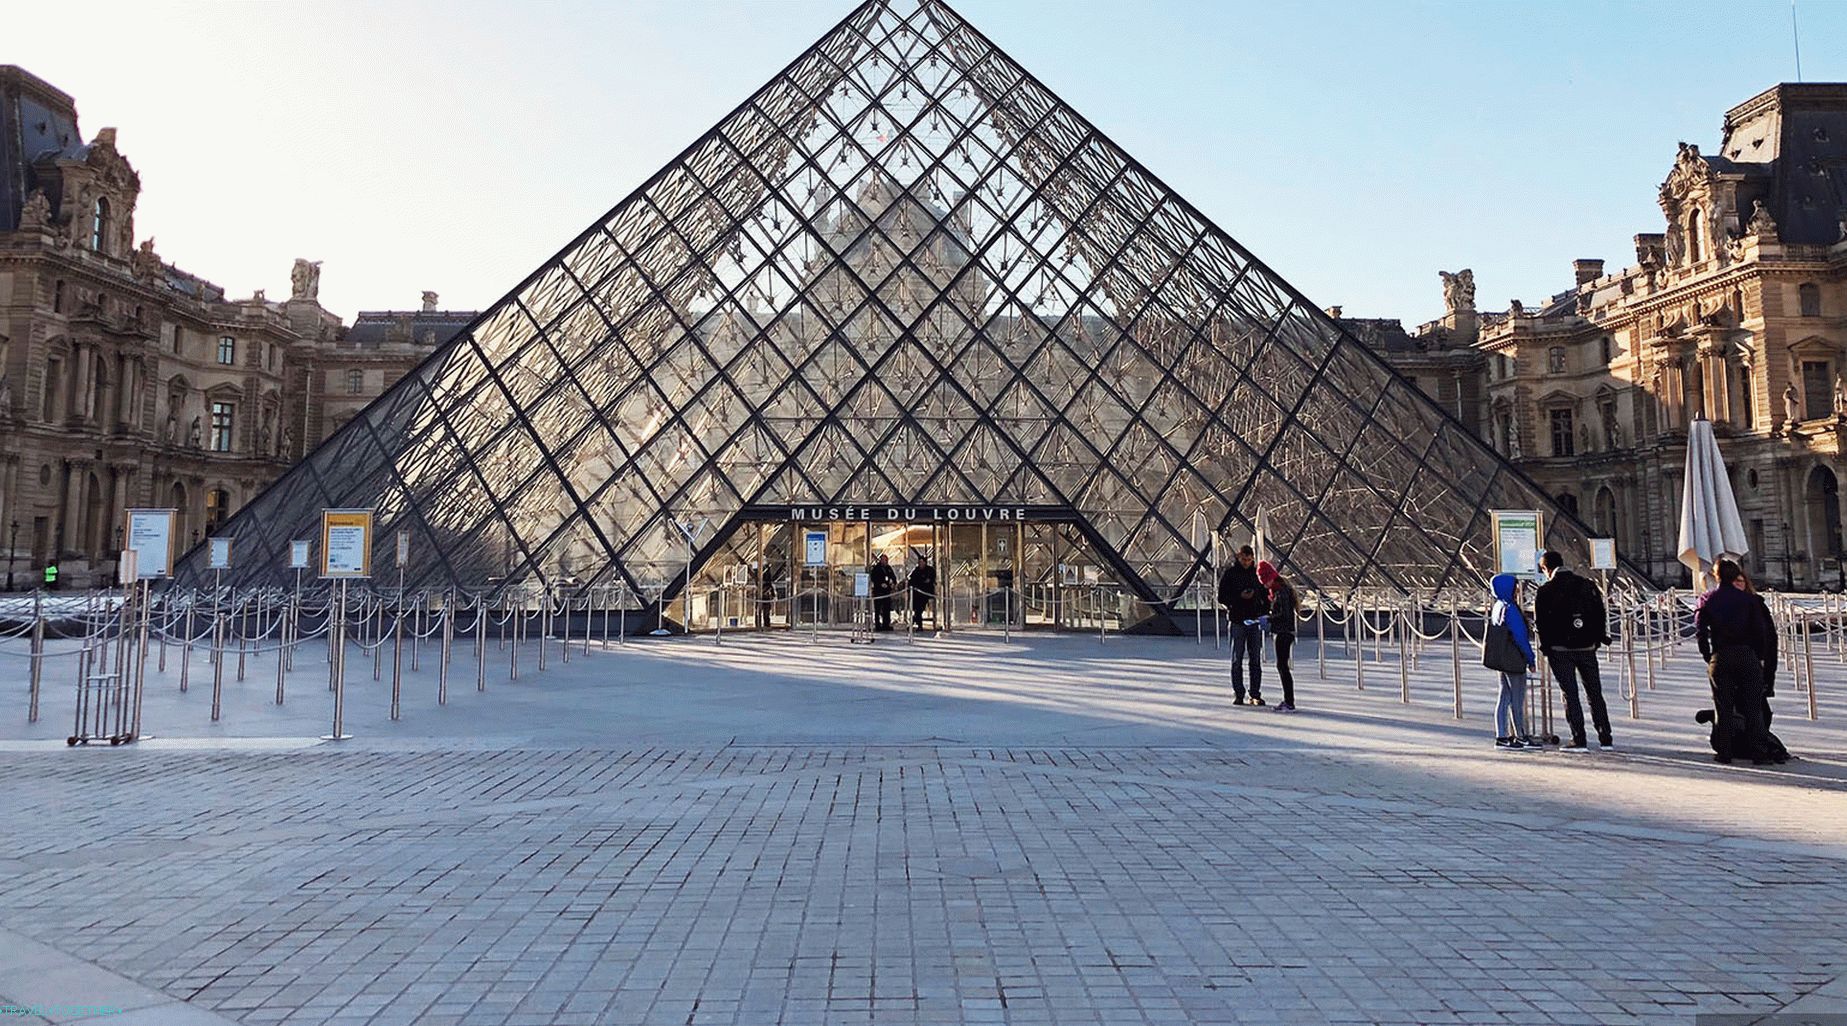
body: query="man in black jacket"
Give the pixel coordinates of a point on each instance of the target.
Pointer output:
(884, 581)
(1246, 600)
(1570, 617)
(923, 588)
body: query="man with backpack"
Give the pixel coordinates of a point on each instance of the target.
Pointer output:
(1569, 614)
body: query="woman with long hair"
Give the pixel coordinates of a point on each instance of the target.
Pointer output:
(1738, 641)
(1282, 624)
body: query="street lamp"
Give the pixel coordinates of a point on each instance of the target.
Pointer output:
(12, 554)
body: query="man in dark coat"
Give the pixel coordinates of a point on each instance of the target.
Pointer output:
(884, 582)
(923, 588)
(1570, 616)
(1246, 602)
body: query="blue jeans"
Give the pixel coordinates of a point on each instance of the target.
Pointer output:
(1246, 641)
(1510, 714)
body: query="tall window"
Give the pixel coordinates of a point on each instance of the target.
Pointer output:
(217, 507)
(1808, 297)
(1606, 351)
(1563, 443)
(1555, 360)
(1693, 239)
(223, 417)
(54, 383)
(1500, 365)
(57, 296)
(355, 381)
(179, 335)
(1568, 502)
(1747, 402)
(99, 225)
(227, 350)
(1817, 390)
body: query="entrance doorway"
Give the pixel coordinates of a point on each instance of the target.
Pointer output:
(989, 576)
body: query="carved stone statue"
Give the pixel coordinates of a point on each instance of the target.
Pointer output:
(1792, 406)
(36, 212)
(305, 279)
(1458, 290)
(288, 441)
(1583, 437)
(6, 396)
(1676, 245)
(1840, 396)
(1515, 308)
(195, 435)
(1612, 431)
(168, 429)
(145, 262)
(1761, 223)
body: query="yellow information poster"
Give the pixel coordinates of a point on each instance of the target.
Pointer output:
(346, 543)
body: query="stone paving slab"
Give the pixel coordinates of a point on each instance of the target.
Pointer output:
(635, 862)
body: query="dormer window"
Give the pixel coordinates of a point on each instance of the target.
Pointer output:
(99, 225)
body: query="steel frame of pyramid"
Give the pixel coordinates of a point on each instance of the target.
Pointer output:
(904, 273)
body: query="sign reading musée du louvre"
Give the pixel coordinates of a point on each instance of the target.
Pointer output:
(912, 514)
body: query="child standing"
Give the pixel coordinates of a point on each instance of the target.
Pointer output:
(1506, 648)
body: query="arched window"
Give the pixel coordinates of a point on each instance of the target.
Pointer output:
(1808, 299)
(1824, 509)
(1693, 237)
(99, 225)
(1606, 513)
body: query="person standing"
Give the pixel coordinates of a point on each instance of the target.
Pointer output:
(1738, 641)
(1246, 603)
(922, 584)
(1283, 617)
(884, 582)
(1508, 650)
(1569, 614)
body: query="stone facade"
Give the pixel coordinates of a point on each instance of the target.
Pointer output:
(126, 381)
(1736, 311)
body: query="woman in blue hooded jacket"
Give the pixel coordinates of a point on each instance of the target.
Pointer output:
(1510, 715)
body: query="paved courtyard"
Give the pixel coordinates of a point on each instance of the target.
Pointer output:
(1052, 830)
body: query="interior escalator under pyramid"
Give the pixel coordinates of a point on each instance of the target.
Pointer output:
(903, 278)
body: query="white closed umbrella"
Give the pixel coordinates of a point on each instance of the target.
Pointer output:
(1710, 529)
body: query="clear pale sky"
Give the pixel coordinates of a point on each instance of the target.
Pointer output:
(1357, 147)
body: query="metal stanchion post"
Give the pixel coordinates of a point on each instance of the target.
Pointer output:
(218, 640)
(545, 622)
(481, 642)
(1455, 651)
(397, 650)
(1403, 627)
(283, 647)
(38, 654)
(240, 623)
(1359, 647)
(564, 633)
(336, 629)
(513, 611)
(1321, 635)
(442, 668)
(419, 610)
(163, 642)
(1635, 690)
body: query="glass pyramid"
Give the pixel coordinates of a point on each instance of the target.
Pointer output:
(902, 274)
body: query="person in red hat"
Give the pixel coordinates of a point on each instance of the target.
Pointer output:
(1282, 624)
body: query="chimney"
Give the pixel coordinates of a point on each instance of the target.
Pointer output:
(429, 301)
(1587, 271)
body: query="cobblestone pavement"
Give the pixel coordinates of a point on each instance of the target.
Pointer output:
(1363, 862)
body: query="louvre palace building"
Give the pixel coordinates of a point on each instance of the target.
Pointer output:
(1734, 309)
(904, 301)
(127, 382)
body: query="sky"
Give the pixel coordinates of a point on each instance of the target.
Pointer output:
(1356, 147)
